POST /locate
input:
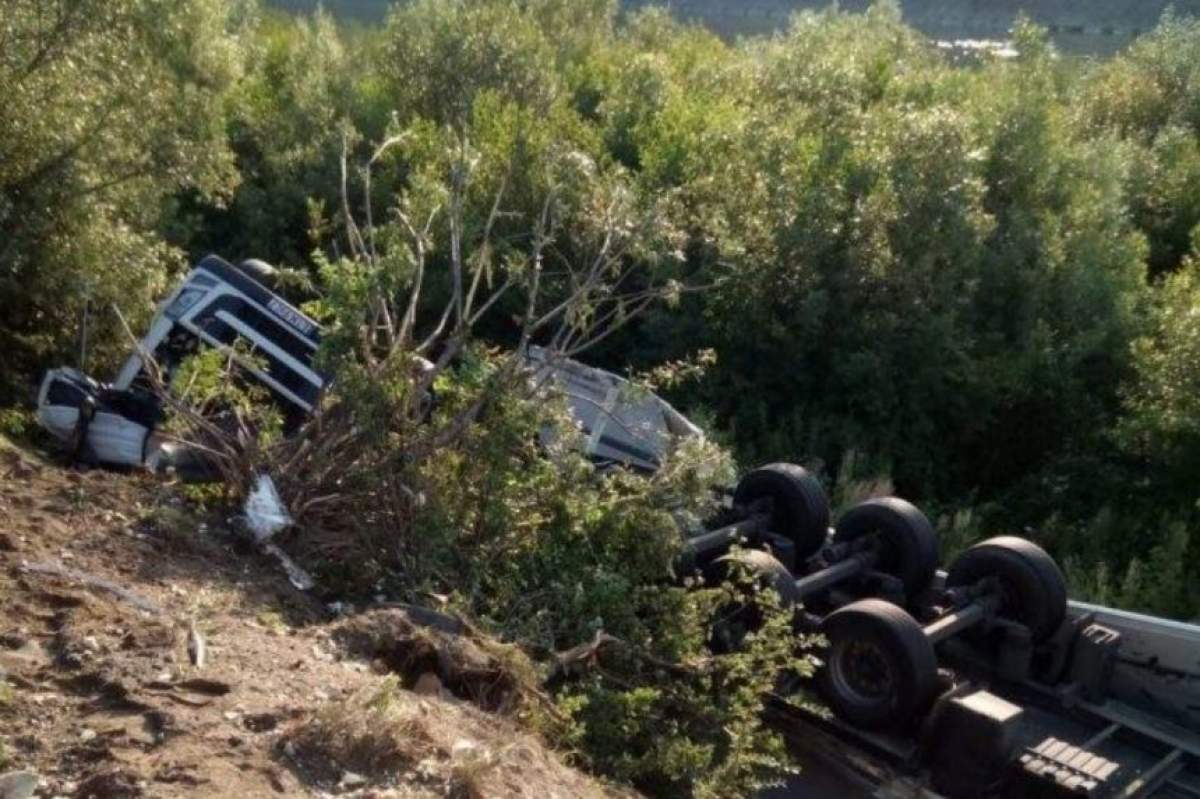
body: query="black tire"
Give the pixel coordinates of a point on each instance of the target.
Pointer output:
(736, 619)
(908, 545)
(260, 271)
(1033, 589)
(766, 569)
(799, 508)
(880, 670)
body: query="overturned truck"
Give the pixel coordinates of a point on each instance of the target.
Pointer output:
(980, 679)
(217, 305)
(232, 308)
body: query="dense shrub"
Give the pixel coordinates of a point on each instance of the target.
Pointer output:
(969, 283)
(108, 110)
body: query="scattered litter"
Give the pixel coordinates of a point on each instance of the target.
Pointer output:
(297, 576)
(352, 780)
(197, 650)
(87, 734)
(18, 784)
(265, 514)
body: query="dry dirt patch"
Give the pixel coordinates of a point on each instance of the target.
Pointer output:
(103, 579)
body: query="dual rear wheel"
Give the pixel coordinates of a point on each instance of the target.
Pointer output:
(902, 538)
(881, 670)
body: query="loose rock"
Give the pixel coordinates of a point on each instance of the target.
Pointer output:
(18, 784)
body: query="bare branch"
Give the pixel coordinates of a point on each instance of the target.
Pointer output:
(357, 247)
(484, 245)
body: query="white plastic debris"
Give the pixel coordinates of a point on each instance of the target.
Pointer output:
(197, 649)
(297, 576)
(353, 780)
(18, 784)
(265, 514)
(463, 747)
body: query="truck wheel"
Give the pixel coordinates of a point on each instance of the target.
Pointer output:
(908, 547)
(736, 619)
(880, 670)
(260, 271)
(766, 570)
(798, 505)
(1033, 589)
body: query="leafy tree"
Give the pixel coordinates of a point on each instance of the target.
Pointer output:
(1148, 96)
(286, 117)
(108, 108)
(439, 56)
(1163, 420)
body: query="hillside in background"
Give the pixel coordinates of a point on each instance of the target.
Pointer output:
(1097, 27)
(363, 10)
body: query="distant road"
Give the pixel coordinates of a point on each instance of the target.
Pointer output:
(1077, 26)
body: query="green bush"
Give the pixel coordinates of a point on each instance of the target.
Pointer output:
(549, 553)
(110, 109)
(972, 284)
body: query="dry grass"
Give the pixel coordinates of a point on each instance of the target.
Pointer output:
(429, 746)
(412, 641)
(371, 734)
(272, 620)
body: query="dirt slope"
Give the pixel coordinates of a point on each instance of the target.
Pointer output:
(104, 578)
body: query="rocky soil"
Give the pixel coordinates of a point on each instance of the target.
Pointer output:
(144, 651)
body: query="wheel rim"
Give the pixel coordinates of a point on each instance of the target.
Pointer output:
(862, 671)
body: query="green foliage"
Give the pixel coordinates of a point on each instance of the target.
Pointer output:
(1148, 96)
(16, 423)
(544, 551)
(440, 56)
(698, 733)
(109, 108)
(214, 384)
(974, 285)
(1163, 418)
(285, 126)
(1158, 583)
